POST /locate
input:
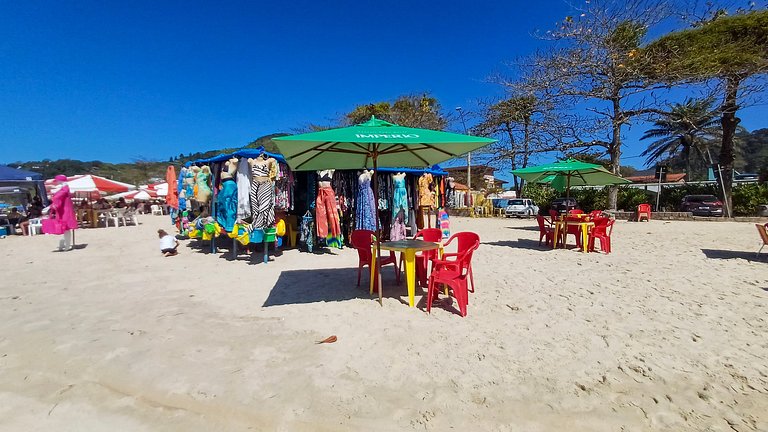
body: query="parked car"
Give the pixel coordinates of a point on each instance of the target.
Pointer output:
(746, 176)
(562, 205)
(702, 205)
(521, 207)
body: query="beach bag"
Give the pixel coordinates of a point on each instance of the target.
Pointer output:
(53, 226)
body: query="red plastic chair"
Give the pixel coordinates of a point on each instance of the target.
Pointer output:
(463, 241)
(554, 215)
(575, 212)
(362, 240)
(595, 214)
(545, 232)
(423, 259)
(454, 273)
(601, 231)
(644, 211)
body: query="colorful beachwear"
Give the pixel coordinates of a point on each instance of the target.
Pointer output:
(365, 211)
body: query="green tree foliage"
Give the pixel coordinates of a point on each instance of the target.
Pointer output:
(687, 127)
(516, 123)
(413, 111)
(728, 49)
(596, 60)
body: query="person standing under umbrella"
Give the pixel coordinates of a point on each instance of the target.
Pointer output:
(62, 218)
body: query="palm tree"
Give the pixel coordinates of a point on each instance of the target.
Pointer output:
(687, 126)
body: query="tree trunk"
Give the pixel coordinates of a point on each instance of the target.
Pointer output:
(687, 143)
(614, 151)
(729, 122)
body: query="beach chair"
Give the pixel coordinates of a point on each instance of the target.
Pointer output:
(455, 273)
(601, 231)
(545, 232)
(464, 240)
(423, 259)
(362, 240)
(130, 216)
(644, 212)
(763, 230)
(35, 226)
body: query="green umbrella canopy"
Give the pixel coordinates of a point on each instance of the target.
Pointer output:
(355, 146)
(570, 172)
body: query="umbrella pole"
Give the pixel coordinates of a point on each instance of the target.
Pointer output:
(378, 226)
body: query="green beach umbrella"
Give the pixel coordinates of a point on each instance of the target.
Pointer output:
(570, 172)
(375, 143)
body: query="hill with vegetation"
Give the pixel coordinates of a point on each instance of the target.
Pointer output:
(139, 171)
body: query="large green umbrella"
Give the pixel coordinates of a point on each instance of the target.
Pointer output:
(375, 143)
(570, 172)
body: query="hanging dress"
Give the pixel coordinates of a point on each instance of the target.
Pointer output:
(400, 197)
(226, 204)
(243, 189)
(262, 197)
(365, 211)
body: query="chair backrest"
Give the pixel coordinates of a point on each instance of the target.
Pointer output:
(763, 230)
(542, 227)
(595, 213)
(361, 240)
(466, 243)
(554, 214)
(575, 212)
(430, 234)
(154, 207)
(644, 208)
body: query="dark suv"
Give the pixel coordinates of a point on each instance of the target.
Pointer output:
(702, 205)
(562, 205)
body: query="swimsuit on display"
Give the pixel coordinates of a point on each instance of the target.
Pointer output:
(400, 198)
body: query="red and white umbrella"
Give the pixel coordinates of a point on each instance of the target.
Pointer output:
(91, 183)
(160, 188)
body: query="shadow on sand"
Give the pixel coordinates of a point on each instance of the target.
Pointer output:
(520, 244)
(74, 247)
(727, 254)
(329, 285)
(524, 228)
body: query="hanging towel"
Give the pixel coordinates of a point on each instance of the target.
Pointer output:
(243, 189)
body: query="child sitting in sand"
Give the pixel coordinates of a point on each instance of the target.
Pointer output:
(168, 243)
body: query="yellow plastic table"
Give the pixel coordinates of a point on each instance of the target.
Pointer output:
(562, 225)
(409, 249)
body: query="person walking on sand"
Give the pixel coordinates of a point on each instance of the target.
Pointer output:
(168, 243)
(62, 219)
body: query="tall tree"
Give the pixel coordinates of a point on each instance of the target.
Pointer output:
(686, 127)
(729, 50)
(596, 61)
(409, 110)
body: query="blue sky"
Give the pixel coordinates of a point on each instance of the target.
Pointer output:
(120, 80)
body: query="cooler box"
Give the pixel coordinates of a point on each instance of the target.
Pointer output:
(3, 232)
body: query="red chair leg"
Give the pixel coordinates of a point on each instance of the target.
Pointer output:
(359, 271)
(430, 286)
(471, 277)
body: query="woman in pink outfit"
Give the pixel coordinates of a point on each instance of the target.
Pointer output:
(62, 219)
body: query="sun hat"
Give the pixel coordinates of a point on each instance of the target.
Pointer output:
(60, 178)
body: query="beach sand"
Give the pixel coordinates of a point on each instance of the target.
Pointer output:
(669, 332)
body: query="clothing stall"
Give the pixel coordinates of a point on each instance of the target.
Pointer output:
(252, 197)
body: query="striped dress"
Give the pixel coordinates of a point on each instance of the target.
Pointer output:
(262, 197)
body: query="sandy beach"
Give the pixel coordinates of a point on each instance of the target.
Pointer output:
(669, 332)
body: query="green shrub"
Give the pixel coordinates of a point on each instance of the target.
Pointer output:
(747, 197)
(542, 195)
